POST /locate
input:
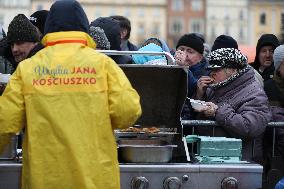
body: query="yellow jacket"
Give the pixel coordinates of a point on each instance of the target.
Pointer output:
(70, 98)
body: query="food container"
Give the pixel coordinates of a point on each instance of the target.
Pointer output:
(198, 104)
(145, 151)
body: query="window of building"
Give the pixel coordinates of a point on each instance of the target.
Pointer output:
(213, 33)
(282, 22)
(262, 19)
(156, 29)
(227, 30)
(196, 5)
(127, 12)
(98, 13)
(141, 29)
(141, 12)
(112, 11)
(177, 5)
(196, 26)
(39, 7)
(227, 17)
(241, 16)
(156, 13)
(241, 33)
(176, 26)
(1, 22)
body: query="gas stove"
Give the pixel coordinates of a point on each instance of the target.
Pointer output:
(162, 90)
(188, 175)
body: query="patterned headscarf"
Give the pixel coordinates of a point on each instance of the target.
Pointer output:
(227, 58)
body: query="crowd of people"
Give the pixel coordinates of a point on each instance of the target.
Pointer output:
(242, 97)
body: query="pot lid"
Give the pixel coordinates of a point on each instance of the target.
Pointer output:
(162, 91)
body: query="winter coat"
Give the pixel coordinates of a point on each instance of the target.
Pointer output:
(243, 111)
(267, 73)
(126, 45)
(278, 115)
(70, 98)
(274, 89)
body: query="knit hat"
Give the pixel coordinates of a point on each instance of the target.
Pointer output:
(224, 41)
(21, 29)
(227, 58)
(38, 19)
(192, 41)
(100, 38)
(278, 56)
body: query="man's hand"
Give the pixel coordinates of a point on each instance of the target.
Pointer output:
(180, 57)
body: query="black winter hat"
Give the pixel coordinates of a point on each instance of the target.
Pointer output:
(267, 40)
(66, 15)
(224, 41)
(38, 19)
(21, 29)
(112, 30)
(192, 41)
(226, 58)
(264, 40)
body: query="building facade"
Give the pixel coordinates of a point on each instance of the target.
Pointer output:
(10, 8)
(266, 17)
(184, 16)
(148, 18)
(229, 17)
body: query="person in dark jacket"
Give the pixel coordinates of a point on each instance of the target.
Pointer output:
(6, 67)
(189, 52)
(274, 89)
(111, 28)
(236, 101)
(125, 30)
(263, 61)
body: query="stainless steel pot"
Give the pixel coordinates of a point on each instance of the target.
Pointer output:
(145, 151)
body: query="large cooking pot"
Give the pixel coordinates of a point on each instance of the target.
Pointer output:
(145, 151)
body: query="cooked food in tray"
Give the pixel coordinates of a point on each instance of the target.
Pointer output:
(141, 129)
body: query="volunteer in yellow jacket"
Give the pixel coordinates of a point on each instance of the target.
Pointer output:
(71, 98)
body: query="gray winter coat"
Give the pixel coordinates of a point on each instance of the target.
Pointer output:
(243, 111)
